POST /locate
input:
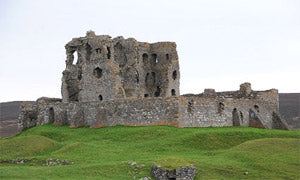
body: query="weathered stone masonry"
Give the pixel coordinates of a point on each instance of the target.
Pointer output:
(125, 82)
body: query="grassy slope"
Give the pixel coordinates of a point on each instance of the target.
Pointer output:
(218, 153)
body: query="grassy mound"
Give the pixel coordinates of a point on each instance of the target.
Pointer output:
(270, 145)
(173, 163)
(26, 146)
(104, 153)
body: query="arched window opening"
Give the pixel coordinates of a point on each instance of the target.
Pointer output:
(146, 95)
(221, 107)
(75, 58)
(100, 97)
(235, 118)
(98, 50)
(108, 52)
(157, 92)
(154, 58)
(174, 74)
(173, 92)
(51, 115)
(256, 108)
(98, 72)
(167, 56)
(145, 57)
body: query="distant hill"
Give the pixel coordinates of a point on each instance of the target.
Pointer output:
(9, 112)
(289, 106)
(289, 110)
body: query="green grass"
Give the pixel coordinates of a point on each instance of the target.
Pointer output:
(173, 163)
(217, 153)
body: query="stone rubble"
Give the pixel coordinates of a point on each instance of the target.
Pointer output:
(57, 162)
(182, 173)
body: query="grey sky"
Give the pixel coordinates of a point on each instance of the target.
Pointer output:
(221, 44)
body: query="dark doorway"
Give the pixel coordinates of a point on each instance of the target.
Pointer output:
(51, 115)
(235, 118)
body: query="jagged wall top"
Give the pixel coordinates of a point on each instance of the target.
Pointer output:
(119, 68)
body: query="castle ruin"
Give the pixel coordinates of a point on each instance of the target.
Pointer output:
(125, 82)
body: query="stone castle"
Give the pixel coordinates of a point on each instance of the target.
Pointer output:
(125, 82)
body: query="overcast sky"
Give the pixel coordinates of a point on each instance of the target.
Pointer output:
(221, 44)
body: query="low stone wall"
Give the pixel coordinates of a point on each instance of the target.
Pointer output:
(257, 109)
(130, 112)
(221, 110)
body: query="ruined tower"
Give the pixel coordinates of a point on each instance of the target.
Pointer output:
(117, 68)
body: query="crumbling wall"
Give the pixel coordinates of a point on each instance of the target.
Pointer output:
(131, 112)
(35, 114)
(119, 68)
(244, 107)
(209, 109)
(95, 75)
(160, 69)
(127, 56)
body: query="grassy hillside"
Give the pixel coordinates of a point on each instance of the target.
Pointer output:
(218, 153)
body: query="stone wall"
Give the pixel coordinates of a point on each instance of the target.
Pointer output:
(131, 112)
(117, 68)
(209, 109)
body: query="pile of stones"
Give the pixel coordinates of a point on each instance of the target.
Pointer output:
(135, 168)
(57, 162)
(182, 173)
(15, 161)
